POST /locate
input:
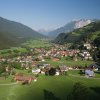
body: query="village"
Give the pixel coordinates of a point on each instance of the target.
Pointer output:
(42, 61)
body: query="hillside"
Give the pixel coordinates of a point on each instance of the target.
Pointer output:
(13, 33)
(69, 27)
(90, 32)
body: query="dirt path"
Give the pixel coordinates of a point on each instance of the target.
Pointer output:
(83, 77)
(9, 84)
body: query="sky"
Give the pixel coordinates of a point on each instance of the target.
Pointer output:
(49, 14)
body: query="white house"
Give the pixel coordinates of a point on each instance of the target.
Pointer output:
(36, 71)
(89, 72)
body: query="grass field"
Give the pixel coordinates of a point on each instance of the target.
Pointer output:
(22, 49)
(58, 87)
(70, 62)
(37, 43)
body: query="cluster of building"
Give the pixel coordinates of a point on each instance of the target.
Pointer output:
(35, 58)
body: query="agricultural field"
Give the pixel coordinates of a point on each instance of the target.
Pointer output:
(37, 43)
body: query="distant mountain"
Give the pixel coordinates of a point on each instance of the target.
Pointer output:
(91, 32)
(44, 31)
(14, 33)
(69, 27)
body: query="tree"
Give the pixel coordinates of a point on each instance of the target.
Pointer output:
(97, 41)
(96, 55)
(2, 68)
(49, 95)
(52, 71)
(80, 92)
(16, 65)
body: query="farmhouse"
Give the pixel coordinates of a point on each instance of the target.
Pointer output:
(36, 70)
(55, 59)
(89, 72)
(24, 79)
(87, 45)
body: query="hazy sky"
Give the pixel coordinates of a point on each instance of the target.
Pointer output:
(49, 14)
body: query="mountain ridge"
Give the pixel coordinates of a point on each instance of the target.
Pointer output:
(69, 27)
(14, 33)
(78, 36)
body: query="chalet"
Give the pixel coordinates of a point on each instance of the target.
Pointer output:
(24, 79)
(89, 72)
(55, 59)
(43, 71)
(85, 55)
(87, 45)
(63, 68)
(34, 63)
(40, 65)
(36, 70)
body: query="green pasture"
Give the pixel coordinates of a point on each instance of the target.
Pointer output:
(70, 62)
(57, 87)
(36, 43)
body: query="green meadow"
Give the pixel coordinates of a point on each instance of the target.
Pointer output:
(70, 62)
(54, 87)
(47, 87)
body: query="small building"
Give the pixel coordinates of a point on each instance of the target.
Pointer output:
(89, 72)
(24, 79)
(87, 45)
(36, 70)
(95, 66)
(55, 59)
(63, 68)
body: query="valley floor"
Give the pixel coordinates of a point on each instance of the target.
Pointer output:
(58, 87)
(48, 87)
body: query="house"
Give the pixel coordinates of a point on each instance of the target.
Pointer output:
(85, 55)
(87, 45)
(24, 79)
(55, 59)
(57, 72)
(95, 66)
(36, 70)
(63, 68)
(43, 71)
(89, 72)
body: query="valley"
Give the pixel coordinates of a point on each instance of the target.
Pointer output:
(32, 59)
(61, 66)
(49, 49)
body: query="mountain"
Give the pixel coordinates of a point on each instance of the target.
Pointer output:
(90, 32)
(42, 31)
(69, 27)
(14, 33)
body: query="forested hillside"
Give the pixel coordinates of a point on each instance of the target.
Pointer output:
(90, 32)
(14, 33)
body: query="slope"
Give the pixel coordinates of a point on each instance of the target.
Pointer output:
(89, 32)
(14, 33)
(69, 27)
